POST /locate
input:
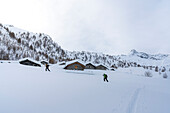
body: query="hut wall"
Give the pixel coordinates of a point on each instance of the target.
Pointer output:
(101, 68)
(89, 67)
(75, 67)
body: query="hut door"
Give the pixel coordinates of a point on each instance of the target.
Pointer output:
(75, 67)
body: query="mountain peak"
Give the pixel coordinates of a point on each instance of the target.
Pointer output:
(144, 55)
(133, 52)
(139, 54)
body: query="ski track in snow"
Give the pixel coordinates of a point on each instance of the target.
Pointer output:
(133, 102)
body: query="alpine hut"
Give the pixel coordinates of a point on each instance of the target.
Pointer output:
(75, 66)
(44, 62)
(29, 62)
(62, 63)
(114, 66)
(90, 66)
(101, 67)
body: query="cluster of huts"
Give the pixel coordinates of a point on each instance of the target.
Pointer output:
(73, 65)
(80, 66)
(77, 65)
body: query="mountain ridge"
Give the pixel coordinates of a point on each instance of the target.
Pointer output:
(148, 56)
(17, 44)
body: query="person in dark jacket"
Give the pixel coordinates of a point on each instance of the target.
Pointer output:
(47, 67)
(105, 77)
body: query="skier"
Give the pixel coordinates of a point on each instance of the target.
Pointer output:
(105, 77)
(47, 67)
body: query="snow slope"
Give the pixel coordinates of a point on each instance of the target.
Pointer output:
(25, 89)
(147, 59)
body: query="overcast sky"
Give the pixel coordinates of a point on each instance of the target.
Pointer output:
(107, 26)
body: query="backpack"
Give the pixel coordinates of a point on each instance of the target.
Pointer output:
(104, 75)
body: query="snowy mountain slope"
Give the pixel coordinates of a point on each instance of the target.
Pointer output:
(161, 60)
(148, 56)
(16, 44)
(26, 89)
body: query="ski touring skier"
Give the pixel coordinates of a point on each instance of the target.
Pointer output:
(105, 77)
(47, 67)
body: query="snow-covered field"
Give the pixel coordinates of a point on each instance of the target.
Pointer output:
(25, 89)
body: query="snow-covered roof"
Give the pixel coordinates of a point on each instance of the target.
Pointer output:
(30, 59)
(73, 61)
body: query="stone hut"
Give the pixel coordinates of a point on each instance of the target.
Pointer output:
(44, 62)
(62, 63)
(75, 66)
(90, 66)
(112, 69)
(114, 66)
(101, 67)
(29, 62)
